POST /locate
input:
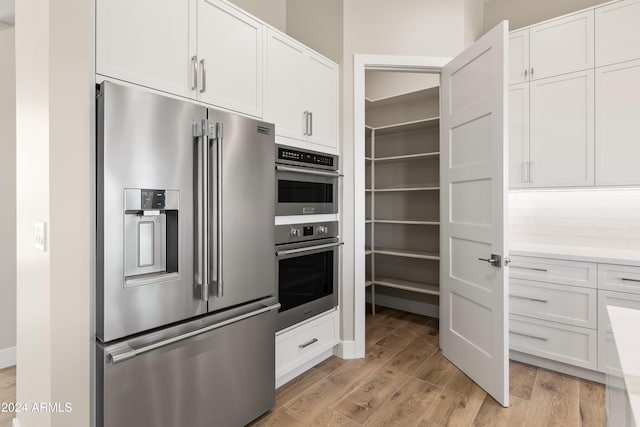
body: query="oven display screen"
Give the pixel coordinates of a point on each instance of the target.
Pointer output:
(303, 279)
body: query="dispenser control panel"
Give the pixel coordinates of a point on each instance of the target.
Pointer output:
(152, 199)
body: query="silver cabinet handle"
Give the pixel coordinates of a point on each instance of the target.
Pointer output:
(529, 298)
(529, 336)
(281, 168)
(130, 353)
(526, 72)
(525, 171)
(308, 249)
(626, 279)
(531, 71)
(203, 80)
(306, 123)
(308, 343)
(194, 76)
(310, 123)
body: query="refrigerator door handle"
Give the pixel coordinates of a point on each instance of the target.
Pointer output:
(202, 270)
(130, 352)
(215, 212)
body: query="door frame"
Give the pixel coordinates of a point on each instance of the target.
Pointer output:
(362, 63)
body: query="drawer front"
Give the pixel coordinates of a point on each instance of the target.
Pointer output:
(619, 278)
(607, 355)
(608, 361)
(555, 341)
(570, 305)
(303, 343)
(573, 273)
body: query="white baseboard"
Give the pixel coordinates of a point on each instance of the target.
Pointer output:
(346, 350)
(7, 357)
(15, 422)
(403, 304)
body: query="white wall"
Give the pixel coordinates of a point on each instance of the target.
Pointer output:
(273, 12)
(522, 13)
(55, 133)
(317, 24)
(385, 84)
(607, 219)
(8, 198)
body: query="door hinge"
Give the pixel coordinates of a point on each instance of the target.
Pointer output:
(198, 128)
(214, 130)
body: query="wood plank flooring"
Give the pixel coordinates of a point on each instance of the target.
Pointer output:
(405, 381)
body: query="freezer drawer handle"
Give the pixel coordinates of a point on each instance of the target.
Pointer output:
(281, 168)
(308, 343)
(626, 279)
(133, 352)
(309, 249)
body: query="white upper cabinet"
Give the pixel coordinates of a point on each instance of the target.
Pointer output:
(320, 94)
(617, 32)
(519, 56)
(145, 42)
(229, 58)
(301, 95)
(617, 124)
(519, 135)
(562, 46)
(562, 131)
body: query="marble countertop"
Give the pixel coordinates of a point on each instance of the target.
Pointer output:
(577, 253)
(624, 323)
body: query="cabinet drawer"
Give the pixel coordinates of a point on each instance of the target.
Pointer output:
(566, 304)
(555, 341)
(619, 278)
(608, 360)
(574, 273)
(300, 344)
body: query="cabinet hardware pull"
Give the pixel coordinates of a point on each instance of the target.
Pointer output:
(204, 76)
(306, 123)
(310, 123)
(194, 77)
(308, 343)
(530, 299)
(626, 279)
(544, 270)
(531, 71)
(525, 171)
(529, 336)
(532, 172)
(526, 73)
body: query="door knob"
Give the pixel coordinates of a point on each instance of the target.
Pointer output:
(495, 260)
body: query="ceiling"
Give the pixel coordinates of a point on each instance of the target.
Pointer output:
(7, 12)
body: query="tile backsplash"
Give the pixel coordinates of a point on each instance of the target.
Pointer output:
(601, 218)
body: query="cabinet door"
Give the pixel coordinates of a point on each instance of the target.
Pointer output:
(607, 355)
(617, 35)
(144, 42)
(283, 97)
(230, 55)
(320, 94)
(519, 56)
(519, 135)
(617, 124)
(561, 132)
(562, 46)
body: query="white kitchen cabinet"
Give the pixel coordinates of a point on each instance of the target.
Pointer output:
(519, 56)
(229, 51)
(301, 95)
(562, 46)
(617, 105)
(562, 131)
(607, 357)
(617, 37)
(145, 42)
(519, 135)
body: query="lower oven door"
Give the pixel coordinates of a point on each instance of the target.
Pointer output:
(301, 191)
(307, 279)
(199, 374)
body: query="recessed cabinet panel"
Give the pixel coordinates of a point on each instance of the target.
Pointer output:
(562, 46)
(145, 42)
(607, 356)
(519, 135)
(617, 125)
(230, 44)
(562, 131)
(617, 35)
(519, 56)
(320, 94)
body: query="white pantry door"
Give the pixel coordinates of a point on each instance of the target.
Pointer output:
(473, 170)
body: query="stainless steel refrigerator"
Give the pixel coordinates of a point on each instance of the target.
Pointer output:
(186, 305)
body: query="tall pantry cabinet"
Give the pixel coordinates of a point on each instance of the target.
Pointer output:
(402, 156)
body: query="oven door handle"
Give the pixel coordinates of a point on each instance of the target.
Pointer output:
(281, 168)
(308, 249)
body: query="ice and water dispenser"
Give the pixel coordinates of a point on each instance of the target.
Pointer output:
(150, 235)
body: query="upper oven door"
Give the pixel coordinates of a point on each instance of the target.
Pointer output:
(302, 191)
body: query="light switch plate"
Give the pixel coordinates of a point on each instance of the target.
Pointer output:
(40, 236)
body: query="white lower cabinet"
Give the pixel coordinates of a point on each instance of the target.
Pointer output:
(607, 356)
(304, 345)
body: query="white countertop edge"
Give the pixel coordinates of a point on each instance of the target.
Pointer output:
(624, 324)
(575, 253)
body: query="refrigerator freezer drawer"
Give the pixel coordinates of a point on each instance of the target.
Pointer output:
(222, 377)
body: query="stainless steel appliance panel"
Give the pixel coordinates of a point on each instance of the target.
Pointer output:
(243, 149)
(221, 377)
(144, 142)
(304, 191)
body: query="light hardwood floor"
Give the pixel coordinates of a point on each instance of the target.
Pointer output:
(405, 381)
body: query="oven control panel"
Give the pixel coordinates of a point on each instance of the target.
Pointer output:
(303, 232)
(297, 157)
